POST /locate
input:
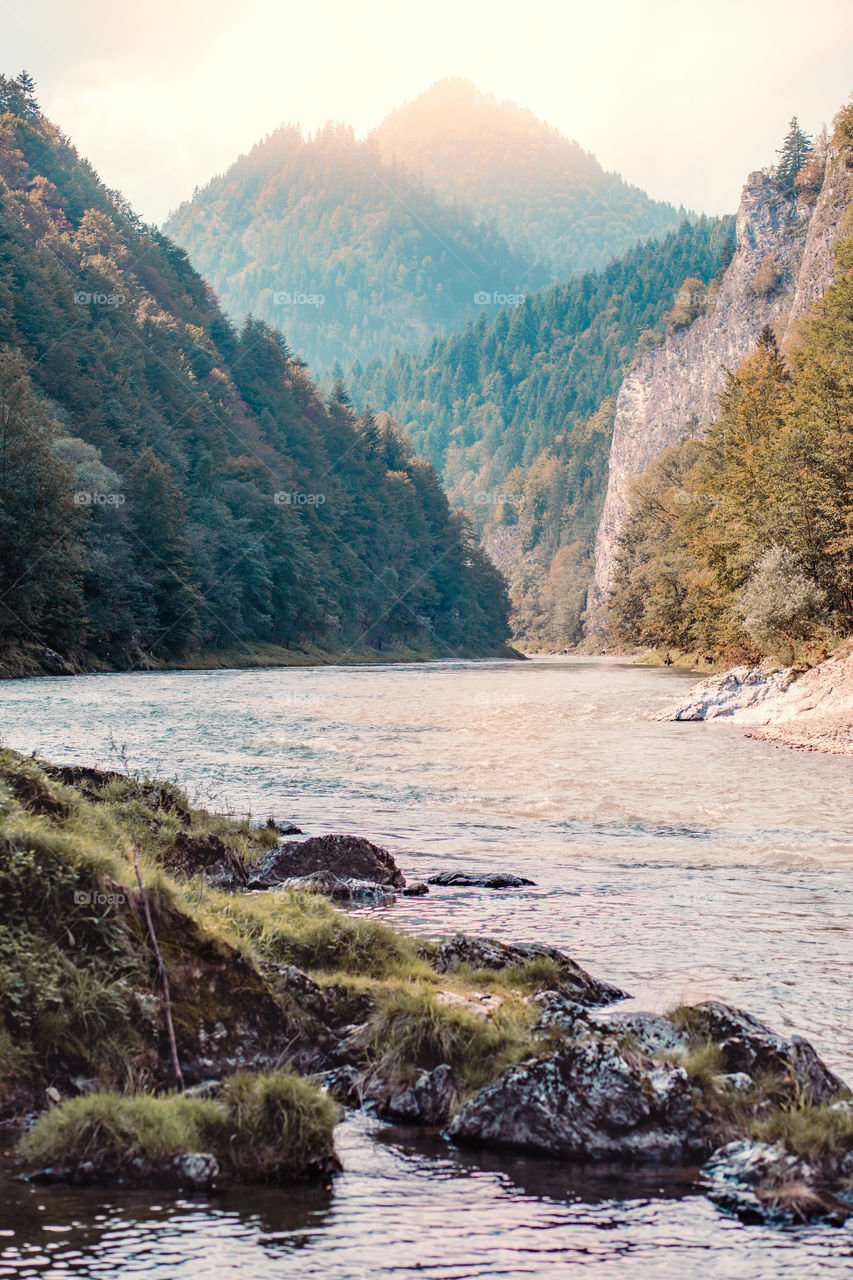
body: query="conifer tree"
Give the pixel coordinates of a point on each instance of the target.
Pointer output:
(793, 154)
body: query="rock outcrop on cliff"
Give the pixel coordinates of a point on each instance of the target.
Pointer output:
(672, 391)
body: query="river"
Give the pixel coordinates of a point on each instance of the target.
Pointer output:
(680, 861)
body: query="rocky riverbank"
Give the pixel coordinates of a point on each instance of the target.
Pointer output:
(810, 710)
(184, 1027)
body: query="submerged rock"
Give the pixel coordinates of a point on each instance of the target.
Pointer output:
(486, 953)
(197, 1169)
(417, 890)
(587, 1102)
(341, 889)
(344, 857)
(480, 879)
(283, 828)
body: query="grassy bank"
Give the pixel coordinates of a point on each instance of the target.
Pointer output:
(27, 660)
(81, 1000)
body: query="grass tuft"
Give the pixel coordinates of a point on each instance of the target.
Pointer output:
(303, 929)
(411, 1031)
(817, 1134)
(261, 1128)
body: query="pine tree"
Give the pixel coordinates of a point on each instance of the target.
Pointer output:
(793, 154)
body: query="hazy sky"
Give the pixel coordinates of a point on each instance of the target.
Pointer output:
(683, 97)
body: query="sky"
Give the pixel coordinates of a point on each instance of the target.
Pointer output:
(682, 97)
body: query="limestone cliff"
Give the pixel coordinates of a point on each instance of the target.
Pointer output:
(672, 391)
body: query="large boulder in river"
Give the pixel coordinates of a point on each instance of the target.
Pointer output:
(587, 1102)
(729, 692)
(486, 953)
(347, 857)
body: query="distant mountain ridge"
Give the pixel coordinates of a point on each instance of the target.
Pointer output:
(455, 203)
(350, 256)
(551, 199)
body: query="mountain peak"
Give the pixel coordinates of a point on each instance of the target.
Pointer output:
(545, 193)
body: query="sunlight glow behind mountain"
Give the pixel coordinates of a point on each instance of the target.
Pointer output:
(680, 99)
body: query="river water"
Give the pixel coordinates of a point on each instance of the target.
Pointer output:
(680, 861)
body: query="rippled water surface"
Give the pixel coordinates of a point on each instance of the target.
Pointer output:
(680, 861)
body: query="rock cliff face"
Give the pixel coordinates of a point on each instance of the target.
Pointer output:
(672, 391)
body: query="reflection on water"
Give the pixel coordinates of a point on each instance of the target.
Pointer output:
(405, 1206)
(680, 861)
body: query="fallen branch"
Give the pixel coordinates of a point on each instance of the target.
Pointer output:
(164, 976)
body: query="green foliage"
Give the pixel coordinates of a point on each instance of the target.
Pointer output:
(741, 545)
(105, 1125)
(169, 484)
(690, 302)
(793, 155)
(766, 279)
(703, 1064)
(779, 602)
(260, 1128)
(539, 974)
(274, 1125)
(516, 413)
(71, 967)
(39, 523)
(816, 1133)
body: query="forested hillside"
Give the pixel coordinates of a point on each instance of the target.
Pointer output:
(515, 412)
(349, 256)
(550, 199)
(740, 545)
(169, 483)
